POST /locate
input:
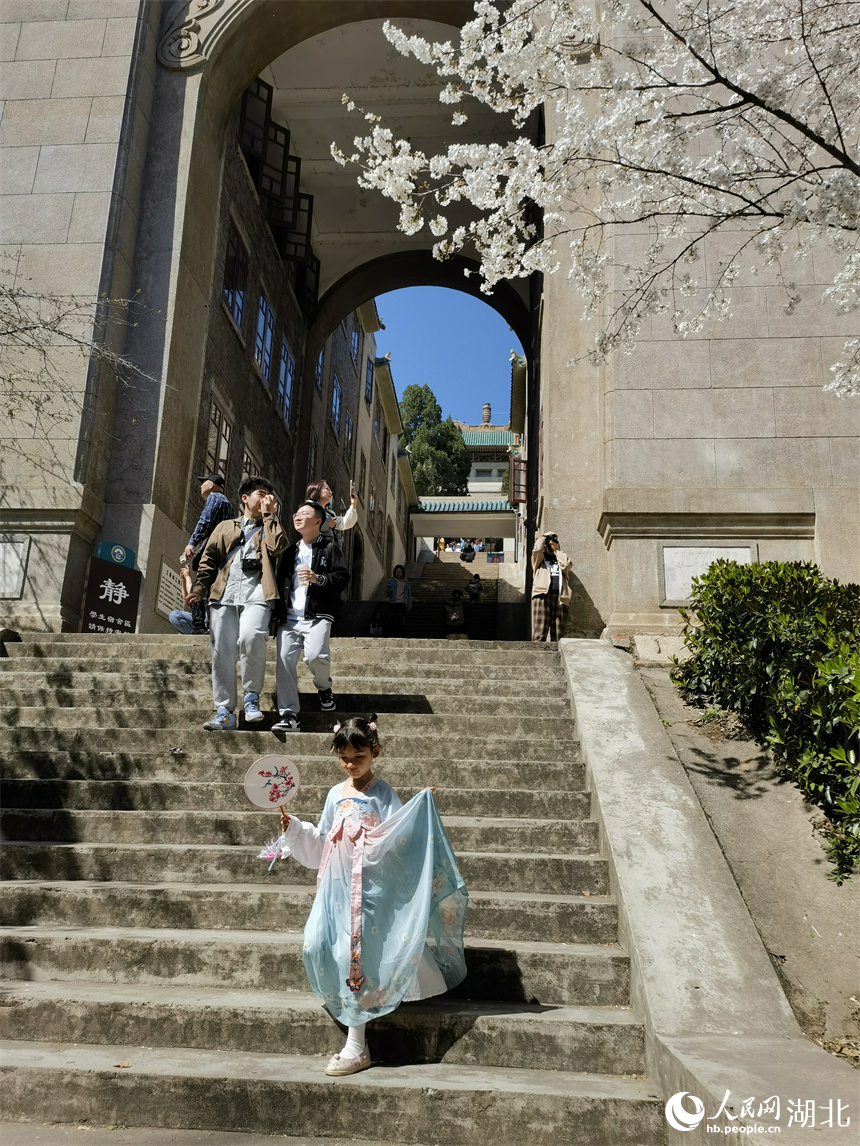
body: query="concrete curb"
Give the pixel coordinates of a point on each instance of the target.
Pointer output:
(715, 1015)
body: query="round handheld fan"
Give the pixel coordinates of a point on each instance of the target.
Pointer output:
(271, 782)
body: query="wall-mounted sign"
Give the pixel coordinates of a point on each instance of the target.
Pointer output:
(14, 552)
(169, 591)
(111, 597)
(119, 554)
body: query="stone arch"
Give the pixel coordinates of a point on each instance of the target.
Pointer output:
(413, 268)
(206, 64)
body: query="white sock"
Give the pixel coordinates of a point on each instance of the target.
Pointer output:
(355, 1042)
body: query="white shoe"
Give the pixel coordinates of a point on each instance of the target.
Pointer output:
(338, 1065)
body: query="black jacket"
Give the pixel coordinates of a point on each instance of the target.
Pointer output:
(323, 598)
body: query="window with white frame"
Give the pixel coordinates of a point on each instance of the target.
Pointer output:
(286, 380)
(218, 441)
(318, 370)
(335, 403)
(362, 475)
(355, 346)
(265, 337)
(368, 382)
(250, 465)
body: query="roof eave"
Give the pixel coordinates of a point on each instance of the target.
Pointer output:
(388, 396)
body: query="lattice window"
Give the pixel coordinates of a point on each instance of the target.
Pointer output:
(286, 380)
(355, 346)
(250, 465)
(335, 403)
(348, 433)
(318, 370)
(362, 475)
(218, 441)
(235, 275)
(265, 337)
(368, 382)
(312, 455)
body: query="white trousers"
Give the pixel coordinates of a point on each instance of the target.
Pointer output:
(311, 634)
(237, 630)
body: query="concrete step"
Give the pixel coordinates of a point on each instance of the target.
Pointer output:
(225, 1090)
(133, 794)
(248, 745)
(345, 653)
(43, 767)
(80, 901)
(190, 701)
(71, 1134)
(105, 719)
(40, 687)
(384, 673)
(603, 1040)
(500, 970)
(250, 828)
(205, 863)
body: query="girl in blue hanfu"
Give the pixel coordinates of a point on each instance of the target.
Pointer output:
(387, 922)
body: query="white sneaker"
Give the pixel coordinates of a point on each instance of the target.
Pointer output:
(252, 708)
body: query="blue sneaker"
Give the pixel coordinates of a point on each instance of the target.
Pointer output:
(252, 708)
(223, 721)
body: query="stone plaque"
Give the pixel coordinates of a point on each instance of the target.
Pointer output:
(681, 563)
(14, 551)
(111, 598)
(169, 591)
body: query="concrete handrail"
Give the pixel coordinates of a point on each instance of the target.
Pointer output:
(715, 1015)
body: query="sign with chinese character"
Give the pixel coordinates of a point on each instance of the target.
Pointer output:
(111, 598)
(169, 591)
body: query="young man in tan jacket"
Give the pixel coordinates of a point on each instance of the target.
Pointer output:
(237, 569)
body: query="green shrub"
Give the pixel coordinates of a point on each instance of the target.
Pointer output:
(779, 644)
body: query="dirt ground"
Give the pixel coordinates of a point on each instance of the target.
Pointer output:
(809, 926)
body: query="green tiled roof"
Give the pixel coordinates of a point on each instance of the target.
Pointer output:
(489, 437)
(428, 505)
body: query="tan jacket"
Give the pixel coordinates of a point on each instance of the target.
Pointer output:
(214, 567)
(541, 575)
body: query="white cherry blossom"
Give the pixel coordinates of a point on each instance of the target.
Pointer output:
(712, 126)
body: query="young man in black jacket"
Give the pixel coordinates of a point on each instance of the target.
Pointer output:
(311, 576)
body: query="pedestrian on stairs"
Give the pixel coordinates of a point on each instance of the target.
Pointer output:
(550, 588)
(237, 571)
(398, 593)
(321, 493)
(216, 508)
(311, 576)
(363, 959)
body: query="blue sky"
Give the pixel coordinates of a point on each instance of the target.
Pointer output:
(456, 344)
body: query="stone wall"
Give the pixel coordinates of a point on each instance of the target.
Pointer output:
(719, 441)
(77, 80)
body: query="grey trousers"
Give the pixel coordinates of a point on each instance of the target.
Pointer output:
(312, 635)
(237, 630)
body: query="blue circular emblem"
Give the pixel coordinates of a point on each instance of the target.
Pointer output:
(118, 554)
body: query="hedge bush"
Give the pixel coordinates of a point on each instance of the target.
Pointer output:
(779, 644)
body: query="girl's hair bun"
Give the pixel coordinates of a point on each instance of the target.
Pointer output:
(356, 732)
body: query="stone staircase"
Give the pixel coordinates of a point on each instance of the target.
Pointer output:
(140, 929)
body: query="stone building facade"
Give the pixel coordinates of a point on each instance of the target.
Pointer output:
(118, 138)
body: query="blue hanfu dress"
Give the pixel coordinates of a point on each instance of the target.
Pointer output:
(387, 922)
